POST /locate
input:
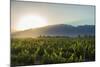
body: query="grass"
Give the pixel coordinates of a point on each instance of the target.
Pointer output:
(33, 51)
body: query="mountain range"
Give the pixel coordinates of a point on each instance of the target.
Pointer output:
(56, 30)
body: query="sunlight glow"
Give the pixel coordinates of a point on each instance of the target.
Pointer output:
(27, 22)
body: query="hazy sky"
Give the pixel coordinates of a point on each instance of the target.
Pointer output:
(54, 13)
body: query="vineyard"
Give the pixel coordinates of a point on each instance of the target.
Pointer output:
(33, 51)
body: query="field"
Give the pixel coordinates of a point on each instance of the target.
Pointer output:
(52, 50)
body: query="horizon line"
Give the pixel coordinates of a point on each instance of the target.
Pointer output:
(54, 25)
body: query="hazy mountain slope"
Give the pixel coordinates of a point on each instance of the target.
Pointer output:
(57, 30)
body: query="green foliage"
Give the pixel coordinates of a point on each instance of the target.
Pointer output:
(51, 50)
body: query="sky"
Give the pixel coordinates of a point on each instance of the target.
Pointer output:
(50, 13)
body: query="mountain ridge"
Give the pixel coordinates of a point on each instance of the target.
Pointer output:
(56, 30)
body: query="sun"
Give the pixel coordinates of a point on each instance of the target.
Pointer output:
(32, 21)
